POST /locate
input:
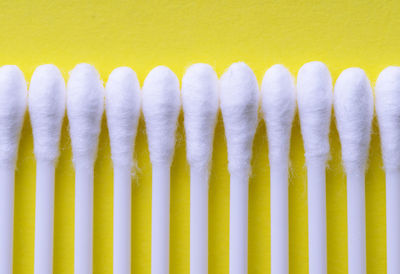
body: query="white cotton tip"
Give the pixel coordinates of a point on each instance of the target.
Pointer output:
(13, 99)
(354, 107)
(387, 102)
(239, 105)
(278, 105)
(161, 107)
(85, 104)
(122, 110)
(200, 109)
(314, 98)
(47, 98)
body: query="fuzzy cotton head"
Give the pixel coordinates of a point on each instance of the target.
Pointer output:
(85, 104)
(278, 105)
(200, 109)
(314, 98)
(239, 106)
(387, 102)
(354, 107)
(47, 98)
(161, 107)
(13, 99)
(122, 110)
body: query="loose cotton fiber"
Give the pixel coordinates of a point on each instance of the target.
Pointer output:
(123, 110)
(47, 99)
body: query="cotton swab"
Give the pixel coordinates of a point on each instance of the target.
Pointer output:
(200, 109)
(278, 105)
(122, 110)
(314, 97)
(13, 99)
(239, 105)
(85, 104)
(161, 107)
(387, 102)
(353, 104)
(46, 108)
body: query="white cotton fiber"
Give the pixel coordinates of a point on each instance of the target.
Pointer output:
(13, 99)
(85, 104)
(122, 110)
(161, 107)
(200, 109)
(239, 106)
(278, 105)
(47, 98)
(314, 98)
(354, 107)
(387, 96)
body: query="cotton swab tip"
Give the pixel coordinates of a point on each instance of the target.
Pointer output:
(85, 104)
(47, 98)
(278, 105)
(13, 100)
(387, 96)
(239, 97)
(314, 98)
(161, 106)
(123, 110)
(353, 105)
(200, 108)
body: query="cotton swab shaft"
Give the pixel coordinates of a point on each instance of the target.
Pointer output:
(83, 217)
(6, 217)
(122, 219)
(356, 221)
(199, 220)
(279, 189)
(316, 196)
(44, 216)
(160, 218)
(238, 224)
(393, 221)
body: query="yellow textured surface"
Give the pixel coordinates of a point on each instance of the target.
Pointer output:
(143, 34)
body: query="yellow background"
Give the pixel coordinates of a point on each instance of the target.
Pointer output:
(143, 34)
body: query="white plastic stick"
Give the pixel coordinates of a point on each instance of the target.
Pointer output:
(353, 104)
(85, 104)
(314, 87)
(200, 108)
(239, 105)
(47, 109)
(13, 96)
(161, 106)
(122, 109)
(387, 93)
(278, 105)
